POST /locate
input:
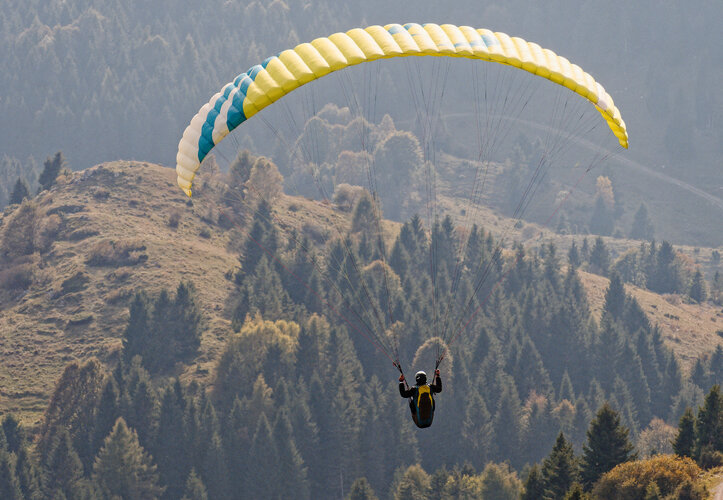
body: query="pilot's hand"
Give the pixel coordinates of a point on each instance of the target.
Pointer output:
(401, 377)
(436, 372)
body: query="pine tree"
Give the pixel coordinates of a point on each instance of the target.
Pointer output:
(566, 390)
(158, 352)
(63, 469)
(9, 484)
(715, 366)
(709, 423)
(262, 478)
(559, 469)
(573, 256)
(363, 217)
(698, 291)
(51, 169)
(71, 409)
(106, 413)
(213, 466)
(585, 250)
(137, 332)
(372, 452)
(607, 350)
(685, 439)
(262, 240)
(535, 484)
(170, 448)
(530, 372)
(122, 467)
(615, 297)
(699, 375)
(477, 429)
(141, 409)
(28, 475)
(361, 490)
(240, 169)
(642, 228)
(541, 429)
(607, 446)
(186, 321)
(265, 293)
(716, 289)
(195, 489)
(576, 493)
(13, 432)
(236, 443)
(630, 371)
(506, 424)
(672, 380)
(20, 192)
(622, 399)
(292, 471)
(580, 422)
(666, 275)
(602, 221)
(599, 258)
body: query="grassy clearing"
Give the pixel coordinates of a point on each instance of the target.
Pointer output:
(689, 329)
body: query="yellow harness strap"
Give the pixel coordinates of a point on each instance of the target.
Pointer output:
(423, 389)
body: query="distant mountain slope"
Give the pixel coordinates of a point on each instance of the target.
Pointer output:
(689, 329)
(120, 211)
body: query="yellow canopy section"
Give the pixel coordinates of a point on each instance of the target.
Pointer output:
(275, 77)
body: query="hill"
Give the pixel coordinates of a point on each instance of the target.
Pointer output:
(77, 309)
(113, 234)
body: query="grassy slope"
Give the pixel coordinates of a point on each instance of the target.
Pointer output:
(131, 202)
(690, 330)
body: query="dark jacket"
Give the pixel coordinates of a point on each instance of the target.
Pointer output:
(435, 387)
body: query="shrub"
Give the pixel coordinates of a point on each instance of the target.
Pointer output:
(17, 277)
(101, 193)
(315, 232)
(710, 458)
(117, 295)
(630, 480)
(81, 234)
(265, 181)
(80, 319)
(18, 238)
(75, 283)
(345, 196)
(174, 219)
(48, 232)
(116, 253)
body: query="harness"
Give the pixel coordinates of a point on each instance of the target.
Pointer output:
(424, 389)
(423, 411)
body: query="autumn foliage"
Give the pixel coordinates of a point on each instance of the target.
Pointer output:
(670, 473)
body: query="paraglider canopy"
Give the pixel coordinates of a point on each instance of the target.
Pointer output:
(278, 75)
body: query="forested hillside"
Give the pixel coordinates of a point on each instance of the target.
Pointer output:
(483, 222)
(241, 339)
(106, 80)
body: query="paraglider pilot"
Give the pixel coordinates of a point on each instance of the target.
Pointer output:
(421, 397)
